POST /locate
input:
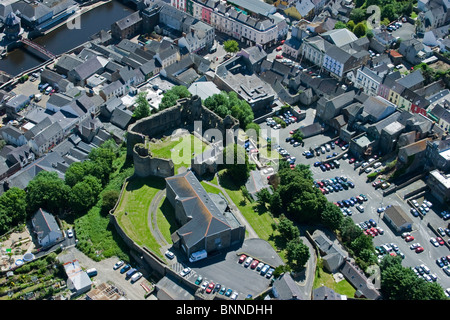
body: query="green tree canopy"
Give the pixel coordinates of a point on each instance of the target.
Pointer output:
(231, 46)
(400, 283)
(297, 254)
(48, 191)
(84, 194)
(171, 96)
(236, 162)
(287, 229)
(142, 108)
(360, 29)
(358, 15)
(224, 104)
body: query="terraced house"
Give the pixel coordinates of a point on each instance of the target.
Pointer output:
(250, 21)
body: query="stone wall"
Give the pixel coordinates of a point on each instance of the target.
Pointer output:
(187, 114)
(145, 165)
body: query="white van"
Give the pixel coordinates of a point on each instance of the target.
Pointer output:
(199, 255)
(91, 272)
(38, 97)
(136, 277)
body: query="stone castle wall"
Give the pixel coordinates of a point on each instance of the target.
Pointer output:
(187, 114)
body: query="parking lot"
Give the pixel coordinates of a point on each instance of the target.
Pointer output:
(375, 200)
(225, 269)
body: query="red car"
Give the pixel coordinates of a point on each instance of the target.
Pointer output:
(279, 48)
(352, 160)
(440, 241)
(409, 238)
(210, 287)
(279, 56)
(282, 41)
(243, 257)
(254, 264)
(419, 249)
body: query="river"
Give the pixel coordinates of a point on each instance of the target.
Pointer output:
(64, 38)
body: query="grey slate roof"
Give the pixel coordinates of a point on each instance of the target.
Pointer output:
(206, 218)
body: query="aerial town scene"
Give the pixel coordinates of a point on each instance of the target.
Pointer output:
(221, 150)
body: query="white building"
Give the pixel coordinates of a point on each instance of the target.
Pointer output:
(368, 80)
(250, 21)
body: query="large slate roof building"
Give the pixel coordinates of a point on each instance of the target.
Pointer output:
(207, 223)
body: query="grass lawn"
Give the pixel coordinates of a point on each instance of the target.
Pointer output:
(324, 278)
(132, 211)
(166, 219)
(209, 188)
(260, 221)
(180, 149)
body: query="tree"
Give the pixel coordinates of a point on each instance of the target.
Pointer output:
(351, 25)
(236, 162)
(84, 194)
(109, 199)
(360, 30)
(263, 196)
(287, 229)
(331, 216)
(47, 190)
(298, 136)
(13, 203)
(224, 104)
(340, 25)
(358, 15)
(231, 46)
(171, 96)
(400, 283)
(388, 11)
(275, 203)
(142, 108)
(297, 254)
(359, 3)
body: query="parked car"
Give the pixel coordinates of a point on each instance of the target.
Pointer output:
(254, 264)
(185, 271)
(169, 254)
(118, 264)
(125, 268)
(248, 261)
(419, 249)
(210, 287)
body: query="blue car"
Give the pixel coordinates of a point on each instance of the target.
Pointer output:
(125, 268)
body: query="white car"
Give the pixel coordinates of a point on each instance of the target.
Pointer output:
(234, 295)
(70, 233)
(434, 242)
(118, 264)
(185, 271)
(414, 246)
(170, 254)
(248, 261)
